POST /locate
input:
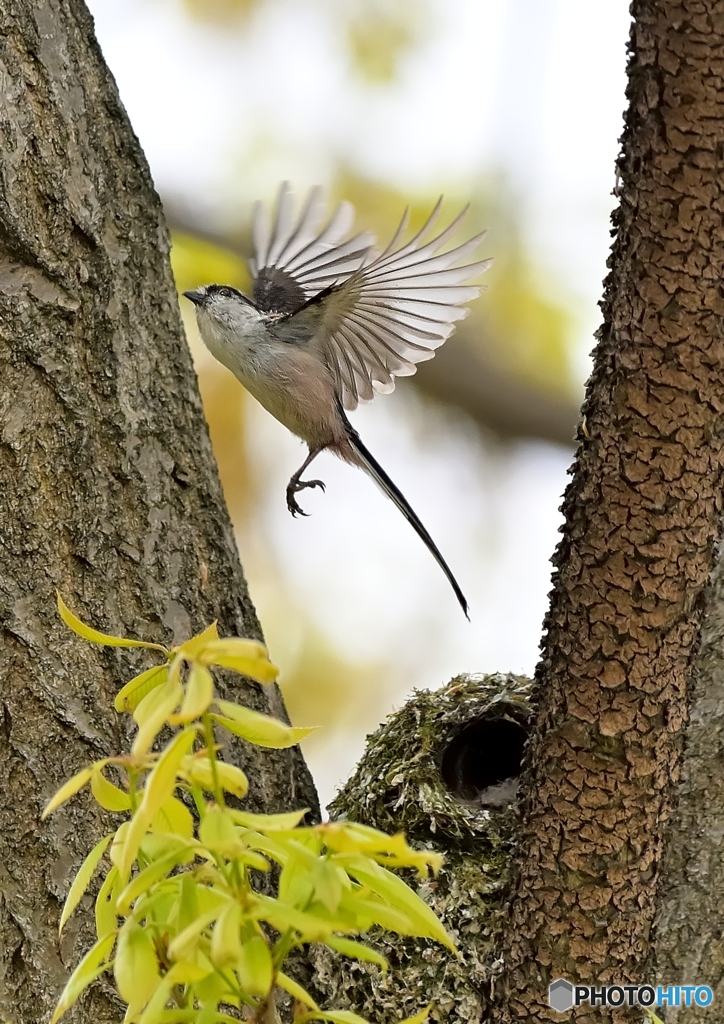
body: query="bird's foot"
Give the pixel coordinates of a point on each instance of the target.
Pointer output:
(299, 485)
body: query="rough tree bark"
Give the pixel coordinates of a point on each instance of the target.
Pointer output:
(688, 935)
(108, 488)
(643, 515)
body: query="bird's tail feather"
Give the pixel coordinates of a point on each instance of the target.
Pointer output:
(368, 462)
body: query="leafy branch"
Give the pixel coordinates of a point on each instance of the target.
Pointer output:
(178, 919)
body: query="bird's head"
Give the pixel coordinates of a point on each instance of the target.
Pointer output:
(221, 308)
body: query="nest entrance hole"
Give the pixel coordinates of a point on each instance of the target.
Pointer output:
(484, 753)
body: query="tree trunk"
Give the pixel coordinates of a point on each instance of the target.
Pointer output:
(642, 518)
(691, 923)
(108, 486)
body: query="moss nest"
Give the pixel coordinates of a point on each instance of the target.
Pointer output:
(443, 769)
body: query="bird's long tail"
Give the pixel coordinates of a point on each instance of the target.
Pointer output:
(370, 464)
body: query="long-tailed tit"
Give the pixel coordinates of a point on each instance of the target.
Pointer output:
(332, 322)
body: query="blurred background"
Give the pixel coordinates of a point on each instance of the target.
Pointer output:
(512, 105)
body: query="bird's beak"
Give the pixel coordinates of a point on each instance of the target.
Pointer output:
(196, 297)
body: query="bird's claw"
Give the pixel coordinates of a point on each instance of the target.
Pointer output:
(311, 483)
(294, 506)
(300, 485)
(296, 510)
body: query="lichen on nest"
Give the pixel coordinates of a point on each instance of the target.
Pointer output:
(402, 784)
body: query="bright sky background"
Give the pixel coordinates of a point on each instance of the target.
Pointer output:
(533, 88)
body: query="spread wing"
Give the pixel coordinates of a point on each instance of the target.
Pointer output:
(296, 259)
(393, 312)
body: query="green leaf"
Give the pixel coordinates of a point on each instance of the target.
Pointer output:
(328, 884)
(255, 967)
(180, 1017)
(119, 841)
(163, 780)
(159, 787)
(391, 851)
(269, 822)
(82, 879)
(207, 1015)
(68, 789)
(106, 917)
(150, 875)
(188, 903)
(281, 916)
(149, 703)
(248, 657)
(398, 895)
(139, 687)
(183, 946)
(296, 884)
(136, 967)
(169, 696)
(189, 972)
(190, 649)
(214, 989)
(369, 912)
(198, 771)
(173, 816)
(159, 905)
(218, 834)
(110, 797)
(254, 860)
(92, 964)
(262, 730)
(296, 991)
(225, 942)
(157, 695)
(153, 1013)
(211, 890)
(356, 950)
(232, 779)
(88, 633)
(199, 694)
(268, 846)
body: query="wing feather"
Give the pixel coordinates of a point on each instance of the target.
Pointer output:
(373, 317)
(394, 310)
(401, 228)
(283, 224)
(295, 260)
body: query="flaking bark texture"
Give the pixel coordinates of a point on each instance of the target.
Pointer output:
(688, 937)
(643, 515)
(108, 488)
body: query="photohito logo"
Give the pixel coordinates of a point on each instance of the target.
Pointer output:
(563, 995)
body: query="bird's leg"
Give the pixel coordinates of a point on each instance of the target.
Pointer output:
(296, 484)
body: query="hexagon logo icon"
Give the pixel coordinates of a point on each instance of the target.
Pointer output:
(560, 995)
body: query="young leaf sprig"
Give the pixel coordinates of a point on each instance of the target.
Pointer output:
(178, 920)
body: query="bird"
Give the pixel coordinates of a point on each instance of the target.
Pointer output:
(332, 321)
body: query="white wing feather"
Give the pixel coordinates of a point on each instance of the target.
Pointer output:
(384, 314)
(294, 260)
(393, 312)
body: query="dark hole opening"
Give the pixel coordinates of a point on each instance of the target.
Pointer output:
(484, 753)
